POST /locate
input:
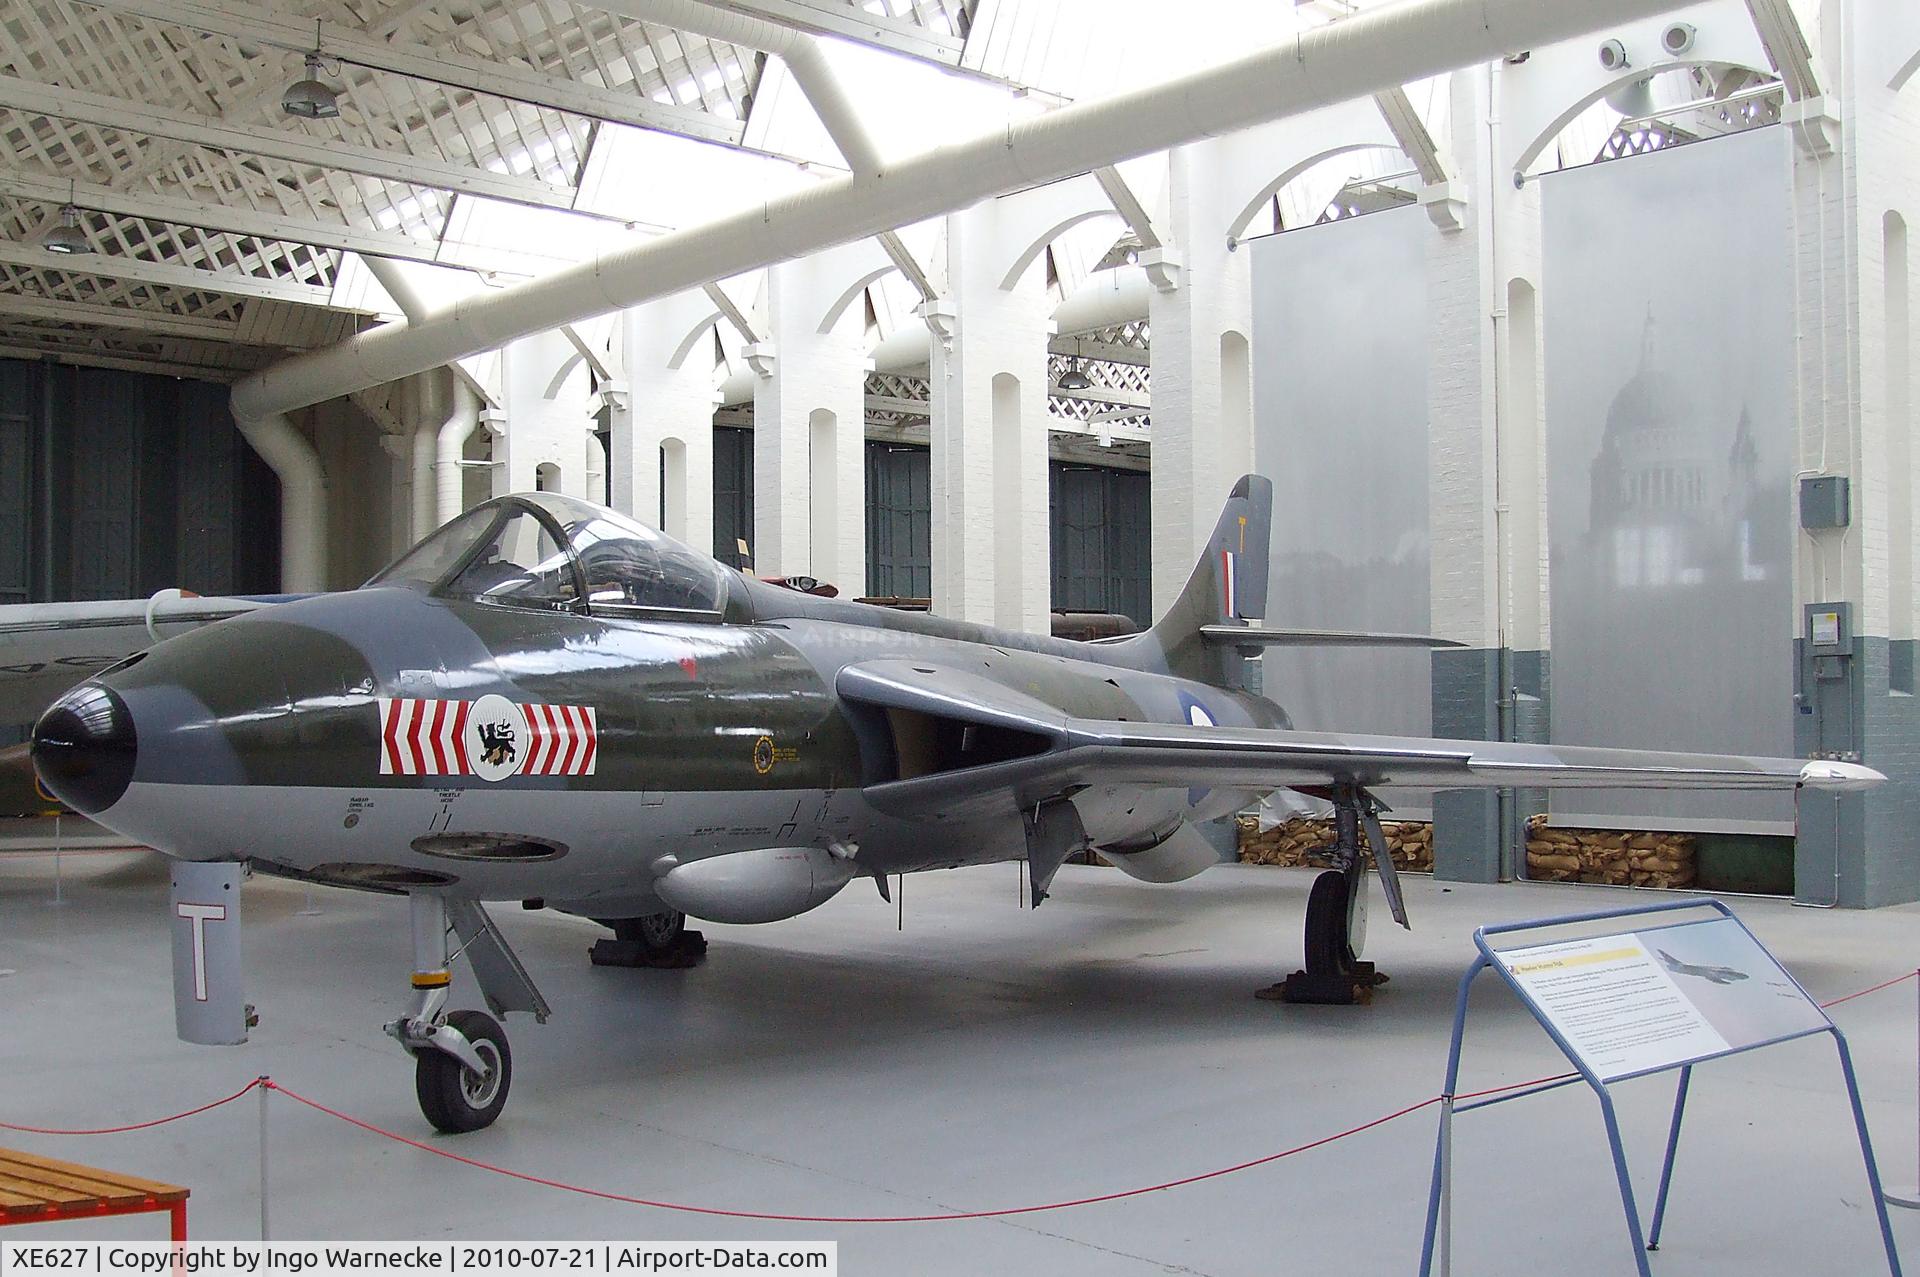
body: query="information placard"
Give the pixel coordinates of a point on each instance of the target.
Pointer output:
(1639, 1001)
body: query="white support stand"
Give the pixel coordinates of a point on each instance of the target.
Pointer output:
(59, 900)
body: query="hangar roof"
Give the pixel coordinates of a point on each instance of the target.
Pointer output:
(489, 141)
(496, 136)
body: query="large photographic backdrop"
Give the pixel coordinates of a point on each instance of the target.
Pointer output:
(1667, 304)
(1340, 426)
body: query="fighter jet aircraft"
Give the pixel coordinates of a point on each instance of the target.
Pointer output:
(546, 701)
(1711, 974)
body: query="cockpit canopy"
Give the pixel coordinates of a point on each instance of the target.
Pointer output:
(548, 552)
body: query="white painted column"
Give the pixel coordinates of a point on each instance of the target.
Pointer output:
(1856, 282)
(665, 408)
(991, 550)
(543, 386)
(1201, 312)
(1464, 306)
(809, 422)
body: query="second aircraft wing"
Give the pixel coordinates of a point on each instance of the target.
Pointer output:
(1060, 752)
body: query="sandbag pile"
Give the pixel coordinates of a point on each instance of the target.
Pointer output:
(1616, 857)
(1305, 842)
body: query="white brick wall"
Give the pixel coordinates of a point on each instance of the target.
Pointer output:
(667, 367)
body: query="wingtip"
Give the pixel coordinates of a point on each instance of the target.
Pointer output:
(1839, 777)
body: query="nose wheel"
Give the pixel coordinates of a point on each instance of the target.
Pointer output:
(455, 1096)
(462, 1066)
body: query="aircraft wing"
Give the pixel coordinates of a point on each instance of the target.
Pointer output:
(1052, 753)
(45, 648)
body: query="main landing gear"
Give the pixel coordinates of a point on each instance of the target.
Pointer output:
(1336, 927)
(650, 940)
(462, 1066)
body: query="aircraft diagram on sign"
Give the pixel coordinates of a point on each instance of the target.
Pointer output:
(547, 701)
(1708, 972)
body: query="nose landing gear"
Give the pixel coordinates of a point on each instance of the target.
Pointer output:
(463, 1068)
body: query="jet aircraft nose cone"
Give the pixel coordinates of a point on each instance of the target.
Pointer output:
(83, 748)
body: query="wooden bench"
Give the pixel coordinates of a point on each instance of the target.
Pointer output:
(39, 1190)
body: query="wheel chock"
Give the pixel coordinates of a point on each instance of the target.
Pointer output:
(689, 950)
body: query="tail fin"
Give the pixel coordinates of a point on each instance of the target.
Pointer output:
(1228, 585)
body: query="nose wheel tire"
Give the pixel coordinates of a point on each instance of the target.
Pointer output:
(453, 1097)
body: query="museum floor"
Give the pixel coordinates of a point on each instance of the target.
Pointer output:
(984, 1057)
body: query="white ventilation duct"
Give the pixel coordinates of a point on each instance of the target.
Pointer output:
(303, 498)
(800, 51)
(400, 289)
(434, 392)
(450, 448)
(1350, 58)
(449, 411)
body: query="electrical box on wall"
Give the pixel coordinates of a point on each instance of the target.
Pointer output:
(1824, 502)
(1827, 689)
(1830, 629)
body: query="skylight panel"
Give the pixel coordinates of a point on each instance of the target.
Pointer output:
(667, 181)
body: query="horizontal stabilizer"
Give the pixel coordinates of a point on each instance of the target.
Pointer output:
(1262, 636)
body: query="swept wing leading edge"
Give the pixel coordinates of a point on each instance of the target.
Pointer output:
(1089, 752)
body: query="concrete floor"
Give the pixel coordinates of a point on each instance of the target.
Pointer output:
(983, 1057)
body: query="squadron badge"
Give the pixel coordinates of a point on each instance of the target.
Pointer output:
(492, 738)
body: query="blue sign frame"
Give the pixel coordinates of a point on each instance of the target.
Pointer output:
(1438, 1239)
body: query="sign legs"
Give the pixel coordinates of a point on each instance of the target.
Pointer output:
(1666, 1166)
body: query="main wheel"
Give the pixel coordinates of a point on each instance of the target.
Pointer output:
(654, 932)
(455, 1098)
(1331, 943)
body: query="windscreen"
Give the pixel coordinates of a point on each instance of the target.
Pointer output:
(627, 564)
(427, 563)
(521, 566)
(503, 552)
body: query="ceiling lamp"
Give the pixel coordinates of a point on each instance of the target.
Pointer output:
(1073, 378)
(311, 98)
(67, 237)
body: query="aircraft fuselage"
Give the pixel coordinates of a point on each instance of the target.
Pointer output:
(386, 738)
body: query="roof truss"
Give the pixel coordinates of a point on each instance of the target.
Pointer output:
(125, 115)
(622, 104)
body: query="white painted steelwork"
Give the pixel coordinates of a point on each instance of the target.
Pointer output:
(1361, 55)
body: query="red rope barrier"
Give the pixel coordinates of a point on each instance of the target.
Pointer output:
(685, 1208)
(1884, 984)
(846, 1219)
(135, 1126)
(1515, 1086)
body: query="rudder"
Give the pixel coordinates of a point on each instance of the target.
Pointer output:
(1228, 586)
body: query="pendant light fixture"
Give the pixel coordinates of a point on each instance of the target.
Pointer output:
(67, 238)
(1073, 378)
(312, 98)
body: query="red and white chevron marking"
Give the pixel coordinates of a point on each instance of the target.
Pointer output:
(421, 737)
(564, 740)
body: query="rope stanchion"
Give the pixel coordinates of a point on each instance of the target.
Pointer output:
(136, 1126)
